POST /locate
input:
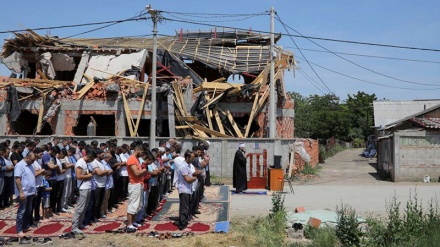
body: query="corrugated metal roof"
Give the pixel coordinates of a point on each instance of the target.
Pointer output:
(386, 112)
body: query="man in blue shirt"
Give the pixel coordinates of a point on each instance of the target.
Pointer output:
(50, 164)
(25, 190)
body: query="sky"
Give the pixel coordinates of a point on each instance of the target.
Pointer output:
(393, 22)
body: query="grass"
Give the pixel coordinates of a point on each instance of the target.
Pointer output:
(220, 180)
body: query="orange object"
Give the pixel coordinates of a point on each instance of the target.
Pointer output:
(274, 179)
(299, 210)
(314, 222)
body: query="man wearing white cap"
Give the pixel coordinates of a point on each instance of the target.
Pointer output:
(239, 172)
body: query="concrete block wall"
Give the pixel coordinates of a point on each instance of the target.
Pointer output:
(417, 155)
(222, 151)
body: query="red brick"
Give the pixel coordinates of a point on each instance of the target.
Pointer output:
(299, 210)
(314, 222)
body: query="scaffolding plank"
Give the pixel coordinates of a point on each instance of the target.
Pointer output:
(210, 131)
(219, 121)
(234, 125)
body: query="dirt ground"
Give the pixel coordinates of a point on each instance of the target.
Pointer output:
(344, 178)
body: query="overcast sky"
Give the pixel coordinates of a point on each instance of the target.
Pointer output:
(401, 23)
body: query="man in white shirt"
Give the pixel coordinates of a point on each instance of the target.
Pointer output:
(123, 156)
(83, 176)
(39, 173)
(108, 184)
(100, 178)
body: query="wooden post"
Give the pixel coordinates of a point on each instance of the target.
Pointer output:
(40, 114)
(141, 108)
(128, 115)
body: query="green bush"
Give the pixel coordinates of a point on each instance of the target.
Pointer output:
(358, 143)
(413, 228)
(347, 229)
(277, 204)
(310, 170)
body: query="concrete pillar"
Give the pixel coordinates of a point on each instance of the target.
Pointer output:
(120, 116)
(396, 155)
(171, 120)
(60, 121)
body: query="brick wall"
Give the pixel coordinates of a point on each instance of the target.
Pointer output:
(312, 148)
(71, 118)
(3, 95)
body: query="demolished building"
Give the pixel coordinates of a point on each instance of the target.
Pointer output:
(62, 86)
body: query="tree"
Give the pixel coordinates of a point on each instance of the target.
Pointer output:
(362, 114)
(323, 117)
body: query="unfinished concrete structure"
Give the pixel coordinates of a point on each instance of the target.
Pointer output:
(409, 149)
(96, 88)
(65, 84)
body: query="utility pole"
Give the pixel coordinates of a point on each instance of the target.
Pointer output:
(272, 106)
(152, 141)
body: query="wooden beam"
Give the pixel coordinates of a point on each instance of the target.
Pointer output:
(219, 121)
(234, 125)
(183, 127)
(26, 80)
(128, 115)
(188, 118)
(141, 82)
(141, 108)
(40, 114)
(210, 131)
(31, 95)
(85, 89)
(251, 116)
(213, 100)
(42, 74)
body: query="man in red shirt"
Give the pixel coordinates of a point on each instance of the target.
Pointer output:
(135, 187)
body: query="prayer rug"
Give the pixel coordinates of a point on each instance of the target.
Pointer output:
(214, 209)
(250, 193)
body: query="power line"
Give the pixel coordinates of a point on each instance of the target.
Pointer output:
(311, 82)
(69, 26)
(322, 81)
(134, 18)
(370, 82)
(215, 15)
(310, 37)
(365, 55)
(356, 64)
(223, 20)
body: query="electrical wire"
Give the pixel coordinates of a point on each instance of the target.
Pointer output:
(134, 18)
(370, 82)
(356, 64)
(314, 71)
(214, 15)
(231, 20)
(311, 81)
(310, 37)
(64, 26)
(365, 55)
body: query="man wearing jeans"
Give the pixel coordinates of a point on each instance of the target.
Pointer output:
(83, 176)
(25, 190)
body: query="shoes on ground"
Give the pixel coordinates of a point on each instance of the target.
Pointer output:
(24, 241)
(130, 229)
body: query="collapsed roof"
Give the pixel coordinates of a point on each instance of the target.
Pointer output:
(92, 68)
